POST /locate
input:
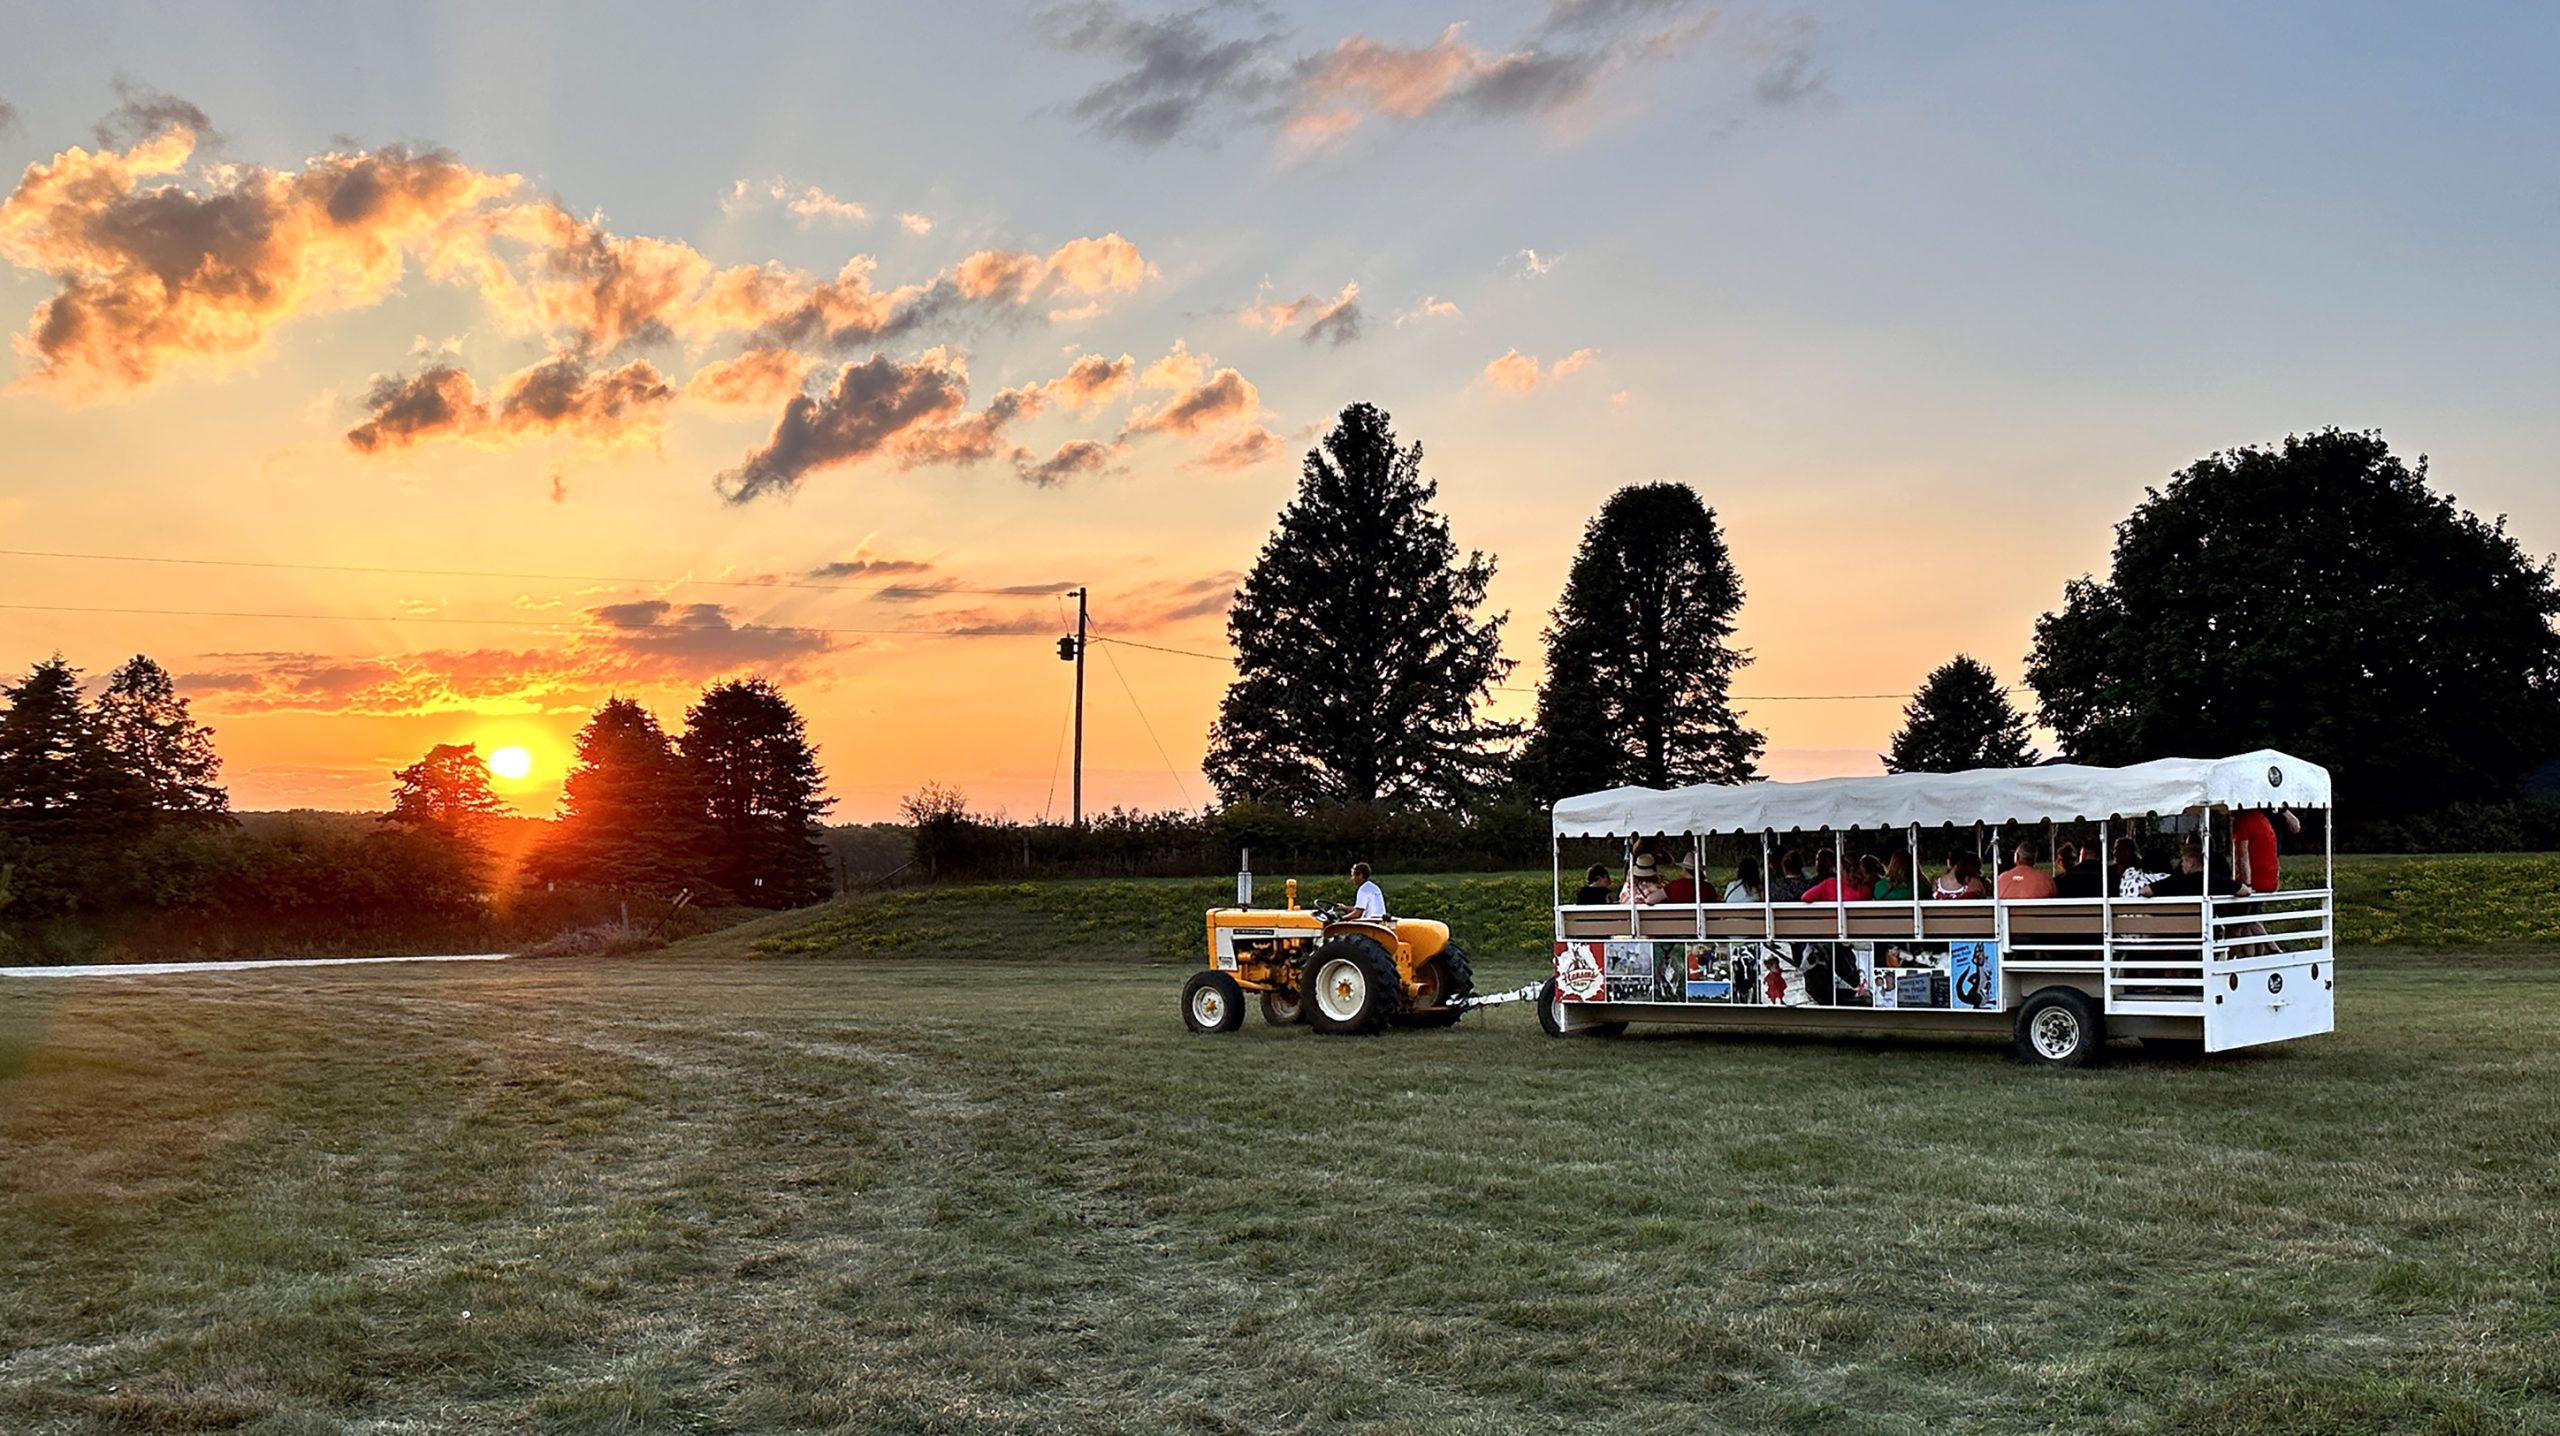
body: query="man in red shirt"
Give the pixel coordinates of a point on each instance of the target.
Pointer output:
(2254, 853)
(2024, 879)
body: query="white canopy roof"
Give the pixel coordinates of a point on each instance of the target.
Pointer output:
(2057, 792)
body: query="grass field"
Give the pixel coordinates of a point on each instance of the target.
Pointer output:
(901, 1188)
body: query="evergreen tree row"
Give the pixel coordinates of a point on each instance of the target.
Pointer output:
(83, 783)
(729, 809)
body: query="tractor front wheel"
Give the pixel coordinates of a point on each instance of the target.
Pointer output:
(1211, 1002)
(1351, 988)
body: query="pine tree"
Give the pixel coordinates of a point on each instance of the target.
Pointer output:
(1359, 658)
(631, 816)
(761, 789)
(1640, 661)
(448, 788)
(67, 808)
(148, 730)
(1960, 719)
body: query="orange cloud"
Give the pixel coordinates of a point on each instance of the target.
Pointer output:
(559, 397)
(1337, 319)
(616, 647)
(754, 379)
(1092, 381)
(171, 276)
(1519, 373)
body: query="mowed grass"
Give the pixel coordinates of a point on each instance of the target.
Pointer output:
(901, 1190)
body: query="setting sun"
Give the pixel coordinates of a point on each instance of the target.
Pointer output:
(510, 762)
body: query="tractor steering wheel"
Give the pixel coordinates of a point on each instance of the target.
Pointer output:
(1328, 913)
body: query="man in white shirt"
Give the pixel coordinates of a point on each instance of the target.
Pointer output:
(1369, 902)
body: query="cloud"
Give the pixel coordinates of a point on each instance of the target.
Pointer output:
(153, 277)
(865, 564)
(1431, 307)
(1519, 373)
(753, 379)
(563, 396)
(914, 223)
(142, 112)
(616, 647)
(1092, 381)
(915, 414)
(807, 202)
(1336, 320)
(1243, 449)
(1076, 458)
(1515, 371)
(1190, 74)
(1177, 72)
(1790, 72)
(1532, 266)
(1221, 398)
(869, 407)
(439, 400)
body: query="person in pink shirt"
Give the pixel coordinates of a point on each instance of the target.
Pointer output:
(1860, 886)
(2024, 879)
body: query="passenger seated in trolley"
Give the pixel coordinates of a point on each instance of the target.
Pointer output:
(1962, 879)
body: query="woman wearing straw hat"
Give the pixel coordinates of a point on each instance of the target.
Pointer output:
(1643, 888)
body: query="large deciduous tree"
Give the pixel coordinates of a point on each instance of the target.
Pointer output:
(149, 731)
(1640, 661)
(2318, 597)
(447, 789)
(1359, 656)
(761, 789)
(631, 813)
(1960, 719)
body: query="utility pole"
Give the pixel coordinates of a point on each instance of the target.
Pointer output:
(1072, 649)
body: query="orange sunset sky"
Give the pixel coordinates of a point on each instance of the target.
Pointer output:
(835, 345)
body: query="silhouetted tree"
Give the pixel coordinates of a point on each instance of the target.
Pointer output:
(66, 804)
(448, 788)
(631, 815)
(761, 787)
(2315, 596)
(1640, 661)
(1959, 720)
(148, 730)
(1359, 657)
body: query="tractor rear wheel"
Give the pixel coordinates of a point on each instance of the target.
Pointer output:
(1442, 980)
(1283, 1009)
(1211, 1002)
(1351, 986)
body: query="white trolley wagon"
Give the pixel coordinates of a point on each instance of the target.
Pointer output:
(2061, 974)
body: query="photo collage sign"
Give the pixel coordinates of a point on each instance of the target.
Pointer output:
(1946, 976)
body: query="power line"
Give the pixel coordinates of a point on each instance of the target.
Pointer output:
(1509, 688)
(553, 623)
(921, 589)
(1179, 786)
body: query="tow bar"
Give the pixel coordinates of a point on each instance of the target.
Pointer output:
(1526, 993)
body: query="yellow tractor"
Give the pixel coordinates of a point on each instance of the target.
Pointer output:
(1341, 976)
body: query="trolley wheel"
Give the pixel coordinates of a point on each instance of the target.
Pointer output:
(1283, 1009)
(2060, 1027)
(1211, 1002)
(1551, 1015)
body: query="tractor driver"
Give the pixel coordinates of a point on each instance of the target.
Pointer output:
(1368, 902)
